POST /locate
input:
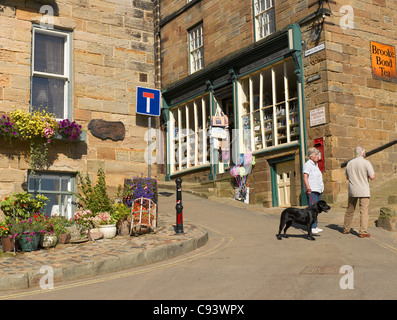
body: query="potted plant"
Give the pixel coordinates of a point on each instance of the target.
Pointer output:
(83, 220)
(7, 128)
(140, 187)
(54, 228)
(60, 229)
(23, 204)
(144, 216)
(37, 128)
(94, 197)
(106, 224)
(69, 130)
(28, 232)
(6, 237)
(48, 239)
(122, 214)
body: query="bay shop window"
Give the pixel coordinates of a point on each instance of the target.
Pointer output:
(268, 107)
(268, 118)
(189, 139)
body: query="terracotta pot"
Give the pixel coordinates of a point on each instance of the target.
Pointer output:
(8, 244)
(64, 238)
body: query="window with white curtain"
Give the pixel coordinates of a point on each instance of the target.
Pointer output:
(196, 48)
(264, 18)
(268, 104)
(50, 72)
(58, 188)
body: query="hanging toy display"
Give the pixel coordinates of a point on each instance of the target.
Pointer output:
(240, 172)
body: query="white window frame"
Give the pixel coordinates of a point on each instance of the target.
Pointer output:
(278, 120)
(68, 211)
(265, 23)
(196, 48)
(66, 76)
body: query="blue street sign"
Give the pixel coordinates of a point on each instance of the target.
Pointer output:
(148, 101)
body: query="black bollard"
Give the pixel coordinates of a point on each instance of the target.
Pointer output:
(179, 207)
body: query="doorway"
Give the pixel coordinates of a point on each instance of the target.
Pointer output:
(283, 182)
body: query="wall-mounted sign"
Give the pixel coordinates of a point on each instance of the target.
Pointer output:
(313, 78)
(315, 49)
(383, 59)
(317, 116)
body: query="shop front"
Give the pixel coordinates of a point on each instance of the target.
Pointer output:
(260, 94)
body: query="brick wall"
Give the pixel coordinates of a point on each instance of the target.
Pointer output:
(112, 55)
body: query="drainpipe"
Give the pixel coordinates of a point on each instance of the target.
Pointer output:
(295, 46)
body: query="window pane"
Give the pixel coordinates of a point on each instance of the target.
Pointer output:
(48, 94)
(49, 184)
(49, 53)
(33, 184)
(65, 184)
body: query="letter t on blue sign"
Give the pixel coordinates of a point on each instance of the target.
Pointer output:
(148, 101)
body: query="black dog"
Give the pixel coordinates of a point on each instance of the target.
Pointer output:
(305, 216)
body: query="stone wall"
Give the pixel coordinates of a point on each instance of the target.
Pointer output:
(112, 55)
(360, 109)
(227, 28)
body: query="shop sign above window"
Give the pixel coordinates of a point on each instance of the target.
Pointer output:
(383, 59)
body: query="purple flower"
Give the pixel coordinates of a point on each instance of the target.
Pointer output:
(70, 129)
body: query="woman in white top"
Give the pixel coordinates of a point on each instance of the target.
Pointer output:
(313, 179)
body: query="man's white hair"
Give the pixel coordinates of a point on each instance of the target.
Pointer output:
(312, 151)
(359, 151)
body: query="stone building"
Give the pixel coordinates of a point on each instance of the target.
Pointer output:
(82, 60)
(289, 75)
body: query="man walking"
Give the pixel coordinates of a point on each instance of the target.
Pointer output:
(358, 171)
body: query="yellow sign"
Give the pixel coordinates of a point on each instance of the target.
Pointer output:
(383, 61)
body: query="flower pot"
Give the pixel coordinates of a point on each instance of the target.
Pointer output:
(29, 242)
(48, 241)
(8, 243)
(108, 230)
(64, 238)
(123, 227)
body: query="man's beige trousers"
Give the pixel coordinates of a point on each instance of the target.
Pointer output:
(351, 207)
